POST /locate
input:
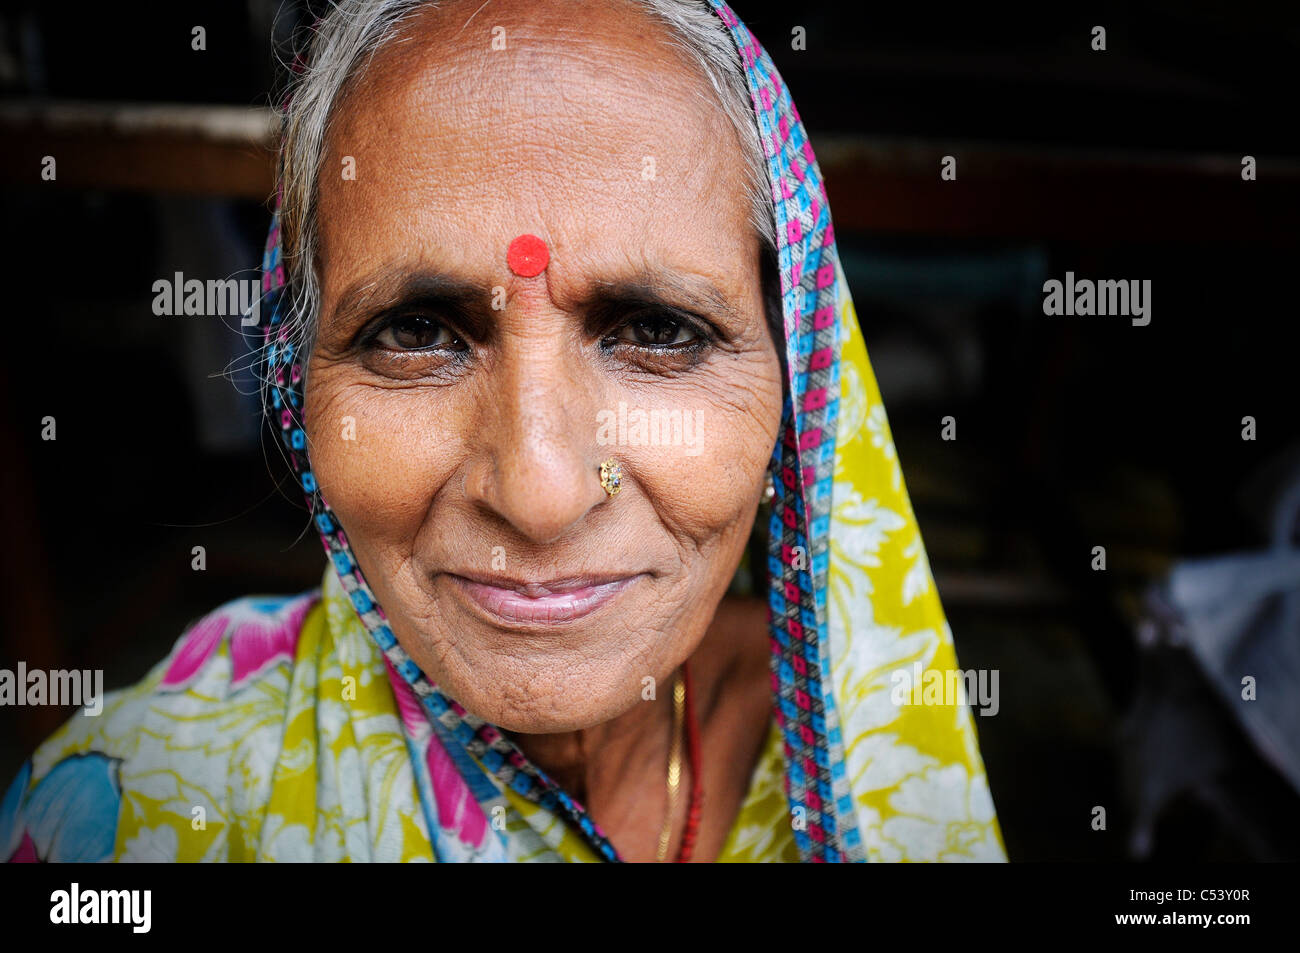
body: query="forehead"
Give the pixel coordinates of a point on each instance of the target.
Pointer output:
(593, 131)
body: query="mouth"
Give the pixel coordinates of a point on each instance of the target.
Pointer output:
(515, 602)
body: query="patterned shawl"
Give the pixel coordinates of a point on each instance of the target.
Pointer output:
(301, 729)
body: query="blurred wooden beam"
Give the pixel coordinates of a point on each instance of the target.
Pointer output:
(210, 150)
(1007, 590)
(882, 186)
(1015, 192)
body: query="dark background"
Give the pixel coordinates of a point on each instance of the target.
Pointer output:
(1072, 432)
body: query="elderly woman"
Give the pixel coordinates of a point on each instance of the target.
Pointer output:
(553, 304)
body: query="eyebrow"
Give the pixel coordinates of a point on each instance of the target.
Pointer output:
(669, 289)
(673, 290)
(375, 294)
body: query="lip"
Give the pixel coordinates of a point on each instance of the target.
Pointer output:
(517, 602)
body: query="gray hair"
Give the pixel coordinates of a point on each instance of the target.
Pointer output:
(348, 37)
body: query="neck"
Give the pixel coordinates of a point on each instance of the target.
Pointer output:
(618, 770)
(595, 764)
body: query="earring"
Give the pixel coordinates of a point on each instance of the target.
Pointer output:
(611, 476)
(769, 491)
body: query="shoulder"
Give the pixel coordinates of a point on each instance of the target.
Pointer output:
(171, 737)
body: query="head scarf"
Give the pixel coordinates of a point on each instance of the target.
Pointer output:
(398, 770)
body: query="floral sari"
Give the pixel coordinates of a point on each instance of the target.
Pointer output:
(299, 729)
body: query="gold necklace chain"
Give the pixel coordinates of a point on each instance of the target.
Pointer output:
(674, 764)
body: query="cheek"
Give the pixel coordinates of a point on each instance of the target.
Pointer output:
(378, 454)
(705, 488)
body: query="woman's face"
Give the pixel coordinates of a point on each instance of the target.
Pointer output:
(458, 414)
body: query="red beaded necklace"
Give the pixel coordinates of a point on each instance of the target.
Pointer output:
(697, 782)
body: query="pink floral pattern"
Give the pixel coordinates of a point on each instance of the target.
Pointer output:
(257, 641)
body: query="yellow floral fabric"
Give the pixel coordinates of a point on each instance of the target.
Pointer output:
(915, 771)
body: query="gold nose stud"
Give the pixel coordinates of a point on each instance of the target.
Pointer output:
(611, 476)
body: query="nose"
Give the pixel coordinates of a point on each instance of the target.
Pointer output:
(533, 462)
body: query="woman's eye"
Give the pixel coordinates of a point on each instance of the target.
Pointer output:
(656, 331)
(415, 332)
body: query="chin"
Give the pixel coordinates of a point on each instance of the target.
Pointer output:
(566, 677)
(555, 699)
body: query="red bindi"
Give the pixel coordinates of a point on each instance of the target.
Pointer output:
(527, 256)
